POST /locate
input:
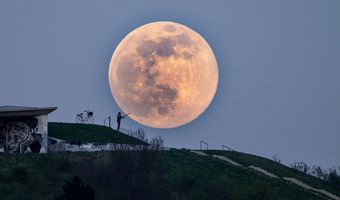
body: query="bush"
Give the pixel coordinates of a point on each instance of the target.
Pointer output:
(333, 177)
(157, 143)
(301, 166)
(319, 172)
(276, 158)
(74, 189)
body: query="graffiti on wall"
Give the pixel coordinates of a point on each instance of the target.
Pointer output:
(20, 137)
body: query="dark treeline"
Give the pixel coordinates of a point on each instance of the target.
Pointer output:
(130, 175)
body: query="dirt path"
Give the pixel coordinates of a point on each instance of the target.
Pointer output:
(228, 160)
(308, 187)
(263, 171)
(199, 153)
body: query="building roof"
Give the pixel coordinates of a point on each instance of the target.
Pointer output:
(21, 111)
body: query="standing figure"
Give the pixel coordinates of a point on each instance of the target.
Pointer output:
(119, 118)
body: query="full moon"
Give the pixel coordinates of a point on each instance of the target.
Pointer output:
(164, 74)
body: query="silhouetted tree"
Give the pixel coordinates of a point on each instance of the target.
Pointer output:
(319, 172)
(157, 143)
(138, 133)
(301, 166)
(276, 158)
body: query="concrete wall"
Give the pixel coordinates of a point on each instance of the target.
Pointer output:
(42, 128)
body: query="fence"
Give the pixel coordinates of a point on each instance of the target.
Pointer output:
(206, 144)
(224, 147)
(107, 119)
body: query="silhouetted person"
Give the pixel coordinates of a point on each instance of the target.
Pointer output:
(119, 118)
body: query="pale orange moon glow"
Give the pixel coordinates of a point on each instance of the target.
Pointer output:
(164, 74)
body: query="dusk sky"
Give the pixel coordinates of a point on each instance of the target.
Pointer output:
(279, 68)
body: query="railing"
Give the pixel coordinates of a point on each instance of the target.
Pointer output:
(107, 119)
(224, 147)
(202, 142)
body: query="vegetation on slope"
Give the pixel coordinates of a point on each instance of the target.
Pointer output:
(277, 168)
(204, 177)
(175, 174)
(86, 133)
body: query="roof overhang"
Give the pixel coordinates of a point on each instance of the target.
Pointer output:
(20, 112)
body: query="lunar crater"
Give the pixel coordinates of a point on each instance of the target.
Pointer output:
(169, 28)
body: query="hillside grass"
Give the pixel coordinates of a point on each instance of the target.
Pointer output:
(276, 168)
(90, 133)
(175, 174)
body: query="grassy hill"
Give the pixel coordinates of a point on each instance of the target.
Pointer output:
(86, 133)
(175, 174)
(276, 168)
(149, 175)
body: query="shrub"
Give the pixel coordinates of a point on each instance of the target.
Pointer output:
(157, 143)
(333, 177)
(75, 189)
(276, 158)
(301, 166)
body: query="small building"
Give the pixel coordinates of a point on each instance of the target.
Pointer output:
(24, 129)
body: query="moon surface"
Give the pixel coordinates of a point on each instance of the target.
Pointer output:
(164, 74)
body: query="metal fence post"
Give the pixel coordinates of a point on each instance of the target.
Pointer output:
(108, 118)
(202, 142)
